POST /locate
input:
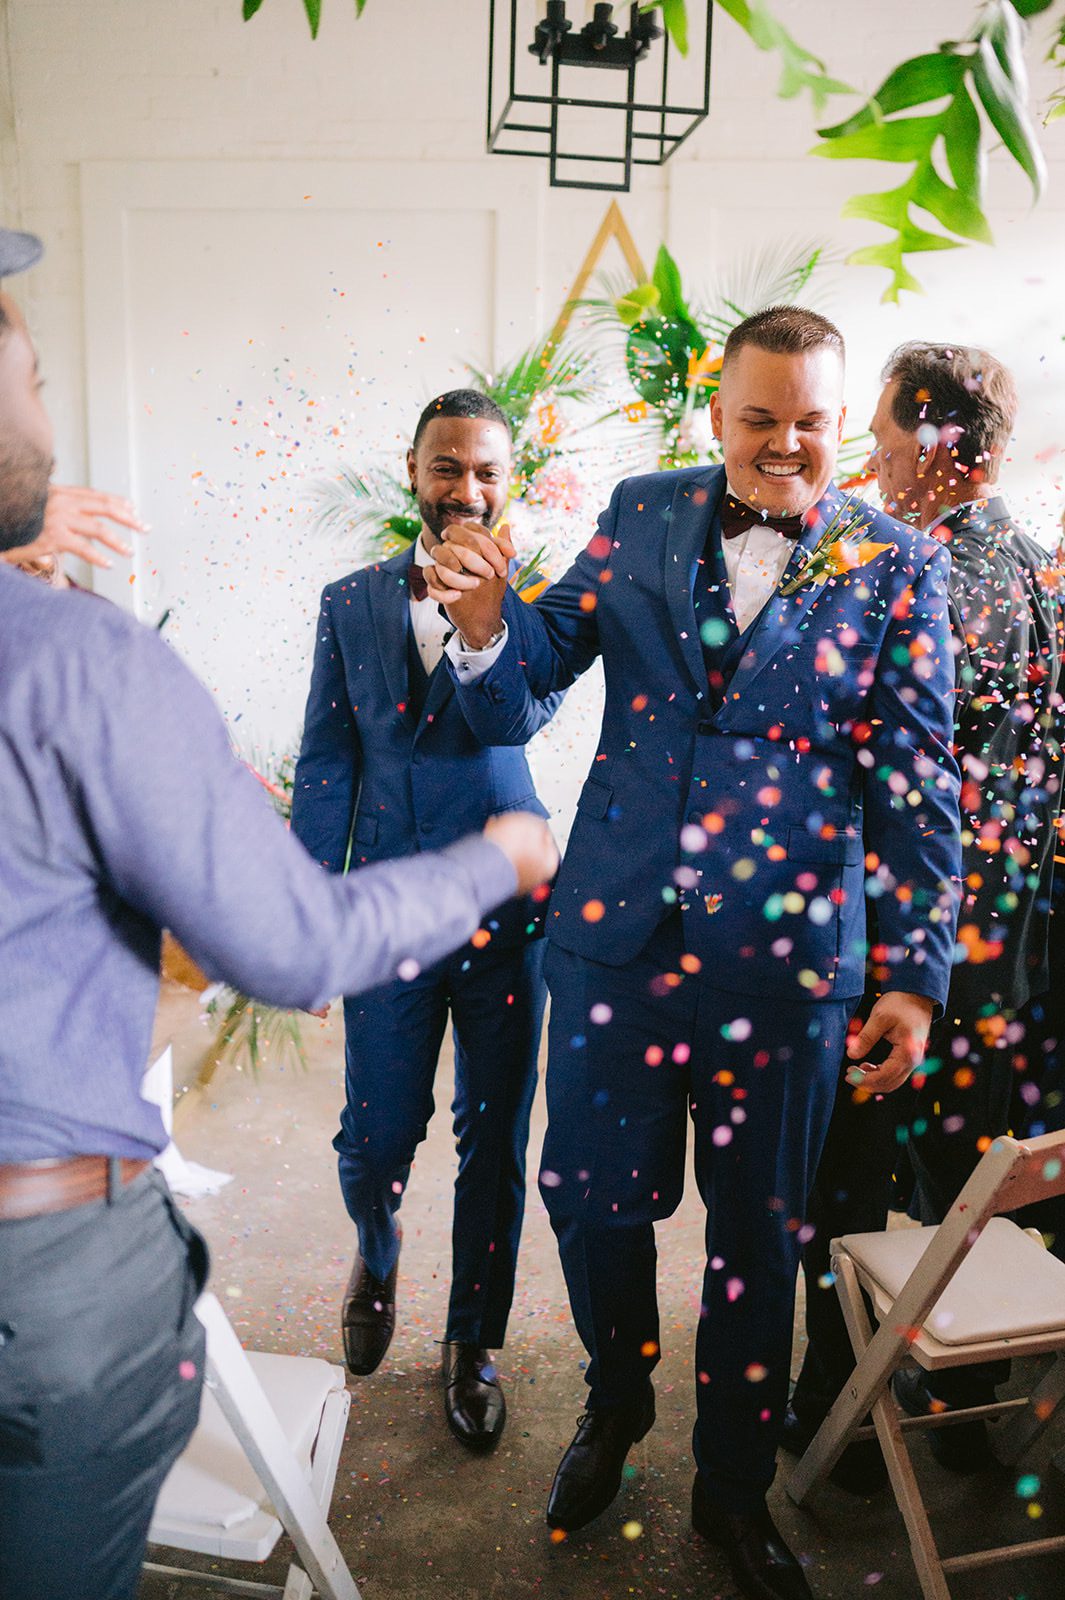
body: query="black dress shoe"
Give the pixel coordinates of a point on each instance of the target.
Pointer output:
(762, 1566)
(473, 1401)
(368, 1317)
(964, 1446)
(861, 1469)
(589, 1474)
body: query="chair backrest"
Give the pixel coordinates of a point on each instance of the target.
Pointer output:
(1038, 1173)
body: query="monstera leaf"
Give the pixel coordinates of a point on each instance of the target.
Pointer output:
(659, 358)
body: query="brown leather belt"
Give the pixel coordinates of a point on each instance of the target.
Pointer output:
(35, 1188)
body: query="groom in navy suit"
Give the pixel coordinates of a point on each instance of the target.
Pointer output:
(776, 743)
(388, 767)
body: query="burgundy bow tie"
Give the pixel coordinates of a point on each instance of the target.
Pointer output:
(736, 518)
(419, 589)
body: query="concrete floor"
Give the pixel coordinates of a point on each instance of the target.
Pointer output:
(414, 1514)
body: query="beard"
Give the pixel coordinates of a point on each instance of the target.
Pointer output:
(24, 476)
(435, 516)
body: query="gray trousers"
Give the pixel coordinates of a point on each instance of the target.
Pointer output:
(101, 1365)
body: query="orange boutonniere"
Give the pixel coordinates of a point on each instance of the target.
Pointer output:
(840, 549)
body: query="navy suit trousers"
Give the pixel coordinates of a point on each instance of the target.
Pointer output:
(634, 1050)
(393, 1037)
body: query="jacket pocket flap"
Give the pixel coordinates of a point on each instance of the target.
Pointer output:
(595, 798)
(365, 830)
(842, 849)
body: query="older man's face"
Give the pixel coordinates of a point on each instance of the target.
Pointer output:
(899, 461)
(780, 419)
(26, 438)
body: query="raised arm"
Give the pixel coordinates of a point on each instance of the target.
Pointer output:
(507, 657)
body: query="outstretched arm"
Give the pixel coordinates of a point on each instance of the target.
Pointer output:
(521, 654)
(223, 873)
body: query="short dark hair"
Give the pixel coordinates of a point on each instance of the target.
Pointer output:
(784, 330)
(460, 403)
(959, 388)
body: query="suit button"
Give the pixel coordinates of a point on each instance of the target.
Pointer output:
(416, 759)
(495, 694)
(706, 728)
(695, 816)
(425, 827)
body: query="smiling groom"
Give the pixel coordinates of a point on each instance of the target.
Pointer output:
(778, 724)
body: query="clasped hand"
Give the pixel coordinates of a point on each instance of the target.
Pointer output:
(469, 579)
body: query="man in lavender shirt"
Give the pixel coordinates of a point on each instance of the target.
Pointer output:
(124, 813)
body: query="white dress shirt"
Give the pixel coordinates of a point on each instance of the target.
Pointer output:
(754, 564)
(431, 628)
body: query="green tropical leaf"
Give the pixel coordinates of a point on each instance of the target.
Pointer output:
(637, 303)
(800, 68)
(360, 7)
(962, 145)
(675, 17)
(373, 508)
(545, 368)
(889, 206)
(905, 139)
(250, 8)
(1007, 112)
(657, 355)
(1032, 8)
(954, 208)
(666, 279)
(915, 239)
(313, 9)
(889, 255)
(917, 82)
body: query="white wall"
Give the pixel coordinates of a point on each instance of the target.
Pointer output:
(197, 314)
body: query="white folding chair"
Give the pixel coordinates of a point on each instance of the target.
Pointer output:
(977, 1288)
(263, 1460)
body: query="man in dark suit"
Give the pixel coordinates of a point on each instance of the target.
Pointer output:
(777, 725)
(942, 426)
(388, 767)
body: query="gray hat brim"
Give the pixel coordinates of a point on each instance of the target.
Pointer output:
(18, 251)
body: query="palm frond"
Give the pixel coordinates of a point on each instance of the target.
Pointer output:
(776, 274)
(544, 369)
(251, 1033)
(374, 508)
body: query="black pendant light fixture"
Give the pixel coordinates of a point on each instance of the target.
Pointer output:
(596, 89)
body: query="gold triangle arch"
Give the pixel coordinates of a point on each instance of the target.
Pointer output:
(613, 226)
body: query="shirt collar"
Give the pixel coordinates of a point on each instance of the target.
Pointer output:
(422, 558)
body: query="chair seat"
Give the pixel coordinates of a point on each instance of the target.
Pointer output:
(212, 1493)
(1008, 1286)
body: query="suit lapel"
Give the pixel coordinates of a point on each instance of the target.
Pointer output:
(696, 501)
(390, 610)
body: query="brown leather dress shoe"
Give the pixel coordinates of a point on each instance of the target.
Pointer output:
(762, 1566)
(473, 1400)
(368, 1317)
(589, 1474)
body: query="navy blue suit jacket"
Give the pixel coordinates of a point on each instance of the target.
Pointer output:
(826, 771)
(371, 771)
